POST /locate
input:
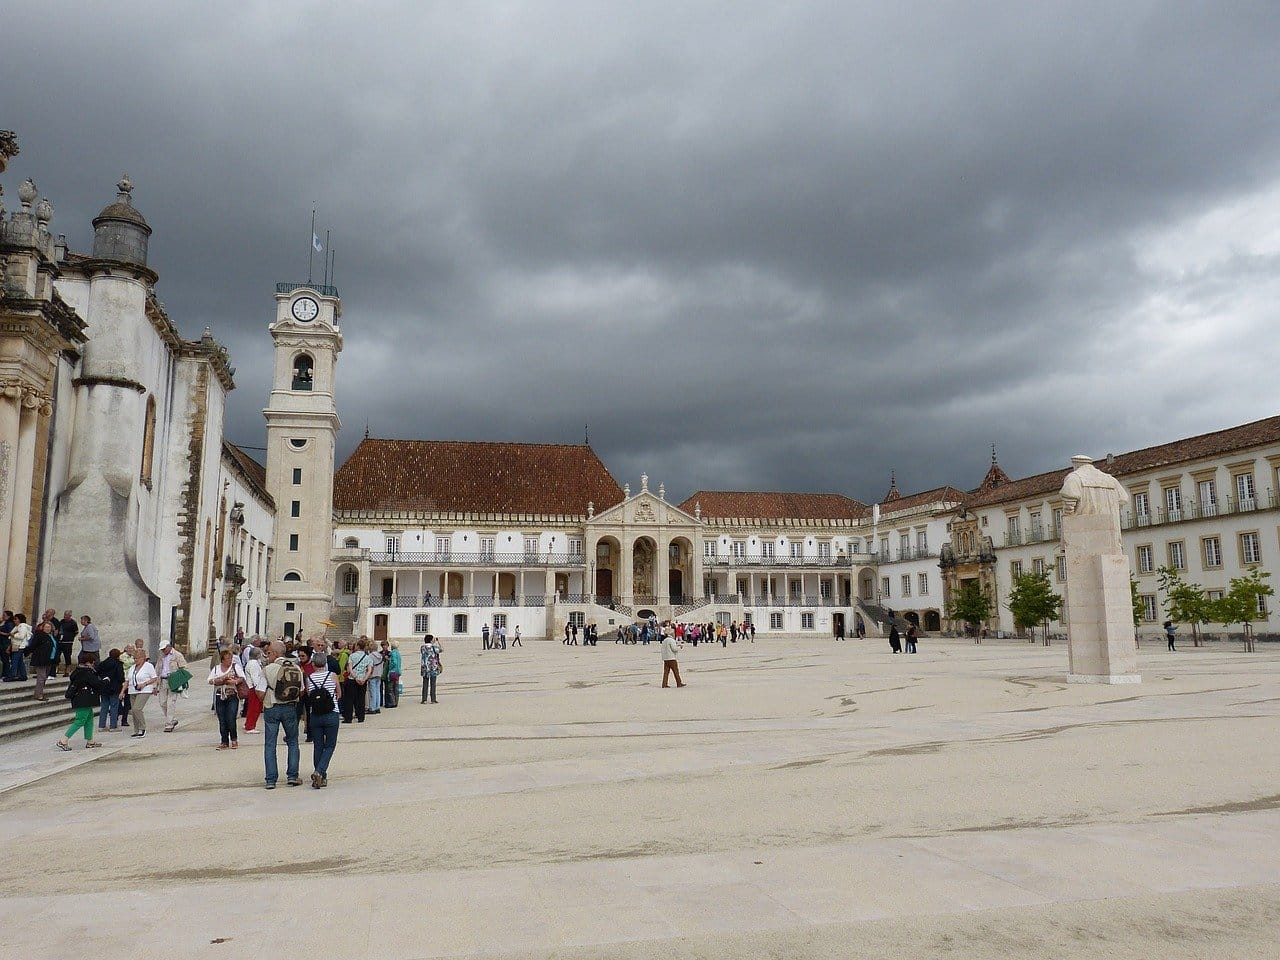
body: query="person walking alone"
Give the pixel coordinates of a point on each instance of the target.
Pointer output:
(225, 676)
(82, 691)
(431, 667)
(142, 683)
(670, 651)
(322, 694)
(280, 709)
(171, 660)
(1168, 633)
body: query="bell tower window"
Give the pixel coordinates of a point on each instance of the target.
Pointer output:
(302, 372)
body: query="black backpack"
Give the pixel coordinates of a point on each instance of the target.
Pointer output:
(319, 700)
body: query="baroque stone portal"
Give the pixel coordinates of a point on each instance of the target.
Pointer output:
(1099, 602)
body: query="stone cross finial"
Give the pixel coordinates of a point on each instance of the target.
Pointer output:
(644, 483)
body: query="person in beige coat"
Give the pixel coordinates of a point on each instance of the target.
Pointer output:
(169, 660)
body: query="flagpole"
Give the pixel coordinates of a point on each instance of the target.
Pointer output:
(311, 244)
(333, 259)
(326, 258)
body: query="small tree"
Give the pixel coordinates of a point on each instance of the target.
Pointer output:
(1185, 602)
(971, 605)
(1240, 604)
(1033, 601)
(1135, 599)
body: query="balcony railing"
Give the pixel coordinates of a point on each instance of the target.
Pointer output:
(911, 553)
(786, 561)
(414, 602)
(479, 558)
(1198, 510)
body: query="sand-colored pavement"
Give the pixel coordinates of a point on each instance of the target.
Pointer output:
(798, 798)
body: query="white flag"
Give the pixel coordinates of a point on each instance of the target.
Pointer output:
(316, 244)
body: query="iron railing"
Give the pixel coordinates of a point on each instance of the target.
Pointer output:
(457, 558)
(1199, 510)
(325, 290)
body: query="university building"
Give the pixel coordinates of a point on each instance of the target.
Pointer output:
(120, 496)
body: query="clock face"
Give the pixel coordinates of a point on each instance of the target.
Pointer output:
(305, 309)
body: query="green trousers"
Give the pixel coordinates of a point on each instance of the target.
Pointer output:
(84, 718)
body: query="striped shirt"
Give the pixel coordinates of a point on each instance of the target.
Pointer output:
(325, 679)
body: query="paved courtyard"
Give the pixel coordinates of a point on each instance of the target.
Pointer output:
(797, 799)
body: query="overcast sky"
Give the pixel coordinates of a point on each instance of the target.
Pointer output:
(754, 245)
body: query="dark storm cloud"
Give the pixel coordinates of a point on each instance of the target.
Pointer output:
(752, 245)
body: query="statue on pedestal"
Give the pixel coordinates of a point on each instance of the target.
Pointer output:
(1099, 603)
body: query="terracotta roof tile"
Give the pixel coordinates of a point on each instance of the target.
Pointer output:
(448, 476)
(254, 472)
(936, 495)
(1200, 447)
(775, 506)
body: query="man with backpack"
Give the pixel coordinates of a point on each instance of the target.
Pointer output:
(280, 708)
(321, 695)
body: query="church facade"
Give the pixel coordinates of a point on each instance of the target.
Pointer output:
(119, 496)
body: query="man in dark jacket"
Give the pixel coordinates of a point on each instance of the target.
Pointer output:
(895, 639)
(44, 653)
(67, 630)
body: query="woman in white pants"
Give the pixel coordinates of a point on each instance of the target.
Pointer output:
(140, 683)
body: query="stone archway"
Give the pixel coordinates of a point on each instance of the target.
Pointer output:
(608, 585)
(680, 569)
(346, 585)
(932, 621)
(644, 570)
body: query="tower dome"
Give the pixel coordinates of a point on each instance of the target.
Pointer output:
(120, 231)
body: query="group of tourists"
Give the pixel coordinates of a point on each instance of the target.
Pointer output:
(47, 646)
(649, 631)
(496, 639)
(309, 687)
(590, 635)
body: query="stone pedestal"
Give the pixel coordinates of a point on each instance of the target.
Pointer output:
(1099, 603)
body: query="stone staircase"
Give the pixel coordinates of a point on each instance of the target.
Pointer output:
(344, 620)
(20, 714)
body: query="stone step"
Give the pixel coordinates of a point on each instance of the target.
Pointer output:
(14, 709)
(21, 714)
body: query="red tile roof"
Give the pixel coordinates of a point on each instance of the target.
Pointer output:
(254, 473)
(775, 506)
(450, 476)
(936, 495)
(1200, 447)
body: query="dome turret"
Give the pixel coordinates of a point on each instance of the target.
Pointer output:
(120, 231)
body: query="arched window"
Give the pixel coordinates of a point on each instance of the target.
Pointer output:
(302, 369)
(148, 442)
(292, 577)
(351, 542)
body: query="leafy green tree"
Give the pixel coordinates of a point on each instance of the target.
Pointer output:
(971, 604)
(1185, 602)
(1240, 603)
(1032, 601)
(1135, 598)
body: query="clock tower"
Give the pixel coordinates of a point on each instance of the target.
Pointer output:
(302, 426)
